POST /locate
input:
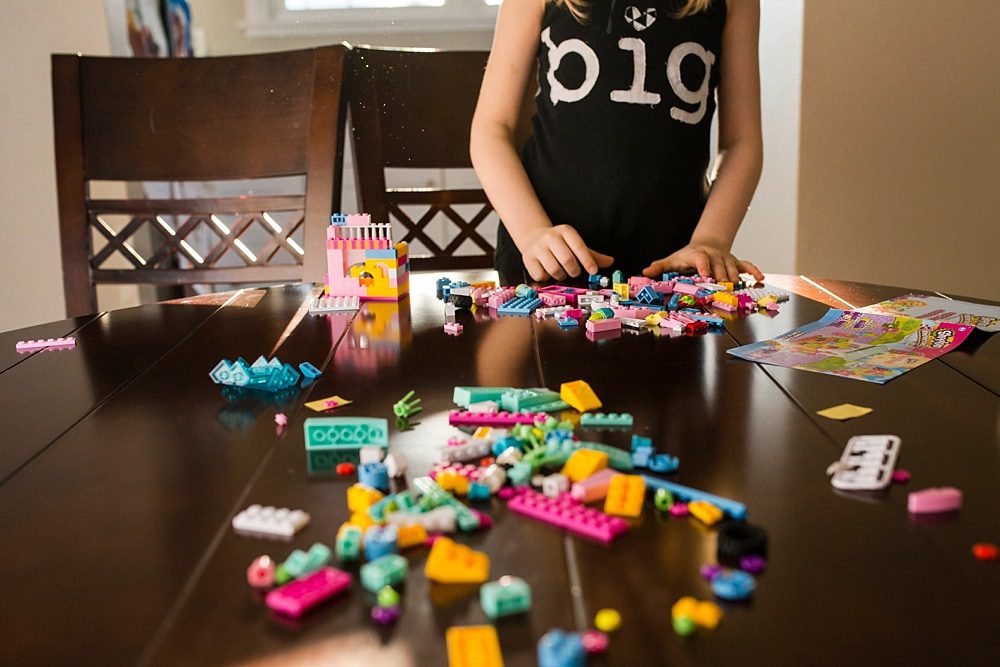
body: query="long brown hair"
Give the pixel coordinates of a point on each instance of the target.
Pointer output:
(578, 8)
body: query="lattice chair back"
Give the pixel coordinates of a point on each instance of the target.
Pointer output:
(226, 119)
(413, 109)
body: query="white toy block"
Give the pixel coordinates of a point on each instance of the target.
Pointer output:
(334, 304)
(553, 485)
(472, 450)
(270, 521)
(370, 454)
(395, 464)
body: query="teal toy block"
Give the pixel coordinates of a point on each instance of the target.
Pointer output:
(557, 452)
(378, 511)
(300, 563)
(505, 597)
(346, 433)
(405, 501)
(532, 400)
(295, 564)
(388, 570)
(309, 371)
(466, 396)
(605, 419)
(324, 460)
(520, 306)
(348, 545)
(520, 473)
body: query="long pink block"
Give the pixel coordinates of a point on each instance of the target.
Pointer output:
(297, 597)
(566, 512)
(685, 288)
(596, 326)
(663, 286)
(933, 500)
(466, 418)
(552, 299)
(23, 346)
(594, 487)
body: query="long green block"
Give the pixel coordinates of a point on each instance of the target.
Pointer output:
(351, 432)
(605, 419)
(557, 453)
(466, 396)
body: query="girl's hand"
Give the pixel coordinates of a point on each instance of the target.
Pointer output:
(707, 260)
(559, 251)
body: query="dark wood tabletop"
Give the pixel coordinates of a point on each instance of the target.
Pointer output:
(122, 465)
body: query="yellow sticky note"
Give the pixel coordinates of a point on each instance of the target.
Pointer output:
(844, 411)
(328, 403)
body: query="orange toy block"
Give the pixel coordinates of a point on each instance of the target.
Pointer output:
(583, 463)
(453, 563)
(411, 535)
(361, 497)
(625, 495)
(705, 511)
(473, 646)
(579, 395)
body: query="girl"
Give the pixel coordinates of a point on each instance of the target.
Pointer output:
(615, 172)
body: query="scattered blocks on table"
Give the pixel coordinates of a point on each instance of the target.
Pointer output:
(583, 463)
(580, 396)
(604, 420)
(43, 344)
(453, 563)
(270, 521)
(297, 597)
(389, 570)
(505, 597)
(625, 495)
(473, 646)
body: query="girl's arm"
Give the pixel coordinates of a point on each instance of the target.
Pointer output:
(740, 156)
(548, 251)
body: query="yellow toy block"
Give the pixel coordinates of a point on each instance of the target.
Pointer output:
(411, 535)
(583, 463)
(447, 480)
(686, 606)
(482, 433)
(625, 495)
(361, 520)
(707, 615)
(705, 511)
(461, 486)
(725, 297)
(361, 497)
(473, 646)
(579, 395)
(453, 563)
(621, 289)
(727, 285)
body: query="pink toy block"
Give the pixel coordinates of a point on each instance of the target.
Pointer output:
(467, 470)
(672, 324)
(575, 313)
(929, 501)
(500, 297)
(594, 487)
(24, 346)
(568, 513)
(685, 288)
(552, 299)
(597, 326)
(453, 328)
(663, 286)
(465, 418)
(297, 597)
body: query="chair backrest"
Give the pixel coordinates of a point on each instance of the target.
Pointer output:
(413, 109)
(196, 119)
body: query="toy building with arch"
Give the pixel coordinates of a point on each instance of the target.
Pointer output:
(362, 260)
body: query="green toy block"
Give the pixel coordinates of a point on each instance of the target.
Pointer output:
(378, 511)
(557, 453)
(281, 575)
(296, 563)
(387, 570)
(504, 597)
(434, 496)
(346, 432)
(605, 419)
(348, 544)
(466, 396)
(405, 501)
(387, 597)
(525, 400)
(520, 473)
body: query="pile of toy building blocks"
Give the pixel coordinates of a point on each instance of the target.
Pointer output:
(684, 304)
(510, 445)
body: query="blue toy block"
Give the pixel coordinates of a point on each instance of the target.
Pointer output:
(640, 441)
(567, 323)
(504, 597)
(309, 371)
(733, 585)
(686, 494)
(641, 456)
(338, 219)
(675, 302)
(389, 570)
(594, 280)
(502, 446)
(374, 475)
(648, 295)
(478, 491)
(670, 275)
(346, 432)
(520, 306)
(617, 278)
(381, 541)
(557, 648)
(663, 463)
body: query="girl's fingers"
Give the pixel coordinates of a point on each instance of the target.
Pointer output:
(579, 249)
(551, 264)
(749, 267)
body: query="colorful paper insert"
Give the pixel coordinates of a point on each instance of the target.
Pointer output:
(858, 345)
(329, 403)
(844, 411)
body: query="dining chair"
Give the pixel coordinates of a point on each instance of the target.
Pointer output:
(196, 120)
(413, 109)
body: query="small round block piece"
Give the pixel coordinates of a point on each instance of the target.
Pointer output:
(260, 574)
(345, 469)
(386, 615)
(734, 585)
(607, 620)
(663, 500)
(679, 509)
(684, 625)
(900, 476)
(594, 641)
(387, 597)
(985, 551)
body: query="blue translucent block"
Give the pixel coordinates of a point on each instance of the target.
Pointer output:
(670, 275)
(640, 441)
(374, 475)
(641, 456)
(338, 219)
(558, 648)
(675, 302)
(663, 463)
(617, 277)
(478, 491)
(567, 323)
(381, 541)
(733, 585)
(309, 371)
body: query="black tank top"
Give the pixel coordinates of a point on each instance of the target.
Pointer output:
(621, 135)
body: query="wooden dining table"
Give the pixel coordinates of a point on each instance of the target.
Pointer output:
(122, 465)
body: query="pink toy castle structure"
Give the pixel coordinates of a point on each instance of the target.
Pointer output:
(362, 260)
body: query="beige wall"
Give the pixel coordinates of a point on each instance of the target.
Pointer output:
(900, 144)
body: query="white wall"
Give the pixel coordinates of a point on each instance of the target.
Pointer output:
(30, 265)
(767, 237)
